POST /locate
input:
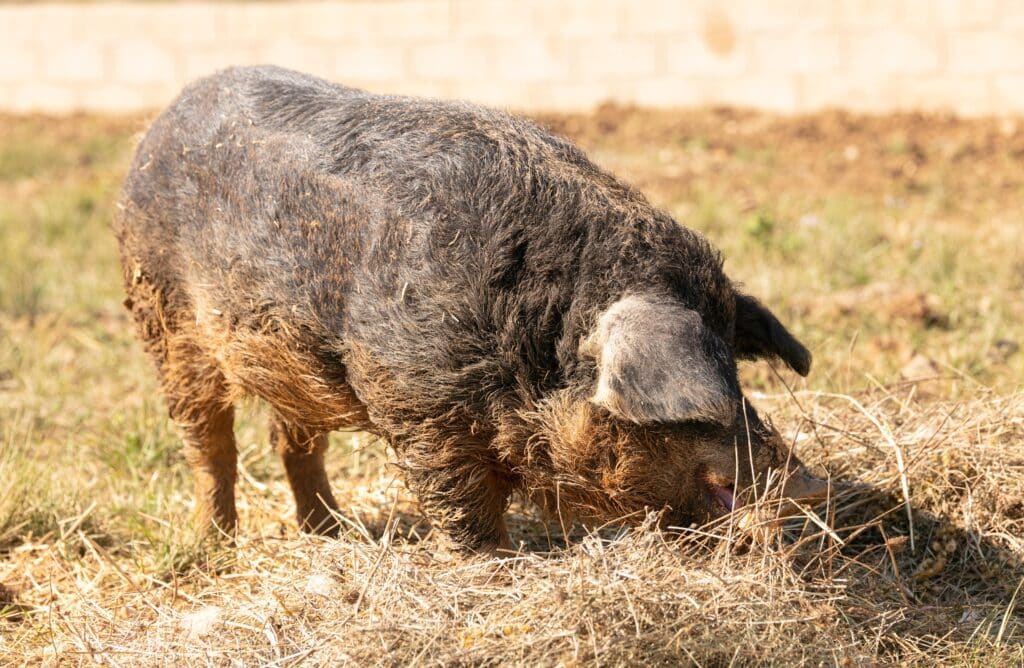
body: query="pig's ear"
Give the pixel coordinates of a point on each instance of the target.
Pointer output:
(657, 363)
(760, 334)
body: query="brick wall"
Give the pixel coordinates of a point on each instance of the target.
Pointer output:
(787, 55)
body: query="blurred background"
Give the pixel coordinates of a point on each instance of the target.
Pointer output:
(858, 161)
(784, 55)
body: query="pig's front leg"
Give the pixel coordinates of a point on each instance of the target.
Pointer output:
(464, 492)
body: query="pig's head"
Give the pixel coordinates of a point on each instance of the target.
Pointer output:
(665, 425)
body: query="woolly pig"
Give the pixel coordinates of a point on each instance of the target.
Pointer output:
(456, 280)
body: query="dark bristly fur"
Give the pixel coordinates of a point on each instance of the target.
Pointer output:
(457, 280)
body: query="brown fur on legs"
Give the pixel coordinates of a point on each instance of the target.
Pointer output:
(197, 395)
(199, 404)
(302, 452)
(464, 495)
(198, 399)
(210, 452)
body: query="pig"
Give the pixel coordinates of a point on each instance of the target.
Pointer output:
(454, 279)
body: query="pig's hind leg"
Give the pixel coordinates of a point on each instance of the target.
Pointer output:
(302, 452)
(197, 396)
(198, 399)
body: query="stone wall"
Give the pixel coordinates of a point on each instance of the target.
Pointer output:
(785, 55)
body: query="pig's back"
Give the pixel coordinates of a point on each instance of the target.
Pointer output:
(256, 174)
(426, 232)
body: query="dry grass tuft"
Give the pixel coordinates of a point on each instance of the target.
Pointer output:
(387, 592)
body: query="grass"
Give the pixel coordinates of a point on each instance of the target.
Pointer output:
(889, 244)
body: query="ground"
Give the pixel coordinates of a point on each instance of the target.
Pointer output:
(891, 245)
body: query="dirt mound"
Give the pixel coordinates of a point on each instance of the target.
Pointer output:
(883, 300)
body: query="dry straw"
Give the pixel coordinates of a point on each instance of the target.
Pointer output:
(840, 588)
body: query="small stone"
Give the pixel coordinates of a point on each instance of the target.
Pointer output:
(322, 585)
(201, 622)
(923, 372)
